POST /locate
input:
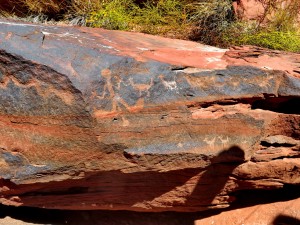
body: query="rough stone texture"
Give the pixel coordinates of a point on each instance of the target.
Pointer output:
(256, 9)
(285, 212)
(249, 9)
(278, 213)
(96, 119)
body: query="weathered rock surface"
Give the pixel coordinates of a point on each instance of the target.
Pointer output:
(260, 9)
(275, 208)
(272, 214)
(97, 119)
(278, 213)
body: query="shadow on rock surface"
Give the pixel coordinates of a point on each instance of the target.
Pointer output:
(33, 215)
(185, 190)
(285, 220)
(215, 177)
(220, 170)
(211, 182)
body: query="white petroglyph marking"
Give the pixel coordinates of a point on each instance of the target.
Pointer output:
(266, 68)
(192, 70)
(142, 49)
(91, 39)
(210, 142)
(110, 41)
(105, 46)
(245, 142)
(207, 48)
(20, 24)
(213, 59)
(46, 33)
(108, 47)
(224, 141)
(202, 48)
(67, 34)
(171, 85)
(180, 145)
(266, 83)
(36, 165)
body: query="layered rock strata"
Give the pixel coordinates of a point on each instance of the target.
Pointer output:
(97, 119)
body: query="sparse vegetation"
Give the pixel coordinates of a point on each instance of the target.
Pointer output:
(163, 17)
(208, 21)
(280, 29)
(264, 37)
(212, 18)
(44, 7)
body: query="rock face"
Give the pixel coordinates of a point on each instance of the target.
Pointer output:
(249, 9)
(258, 9)
(272, 213)
(97, 119)
(276, 213)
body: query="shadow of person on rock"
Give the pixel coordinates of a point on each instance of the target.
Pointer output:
(211, 182)
(285, 220)
(214, 178)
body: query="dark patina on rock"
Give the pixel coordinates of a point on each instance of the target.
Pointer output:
(97, 119)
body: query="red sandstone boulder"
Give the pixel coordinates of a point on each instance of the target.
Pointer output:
(276, 213)
(272, 213)
(97, 119)
(261, 10)
(249, 9)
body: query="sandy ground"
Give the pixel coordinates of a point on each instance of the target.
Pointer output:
(10, 221)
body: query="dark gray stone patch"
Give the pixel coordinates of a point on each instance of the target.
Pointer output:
(19, 167)
(36, 90)
(23, 76)
(13, 159)
(1, 75)
(165, 148)
(290, 86)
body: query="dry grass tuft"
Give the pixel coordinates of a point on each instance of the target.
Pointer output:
(43, 6)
